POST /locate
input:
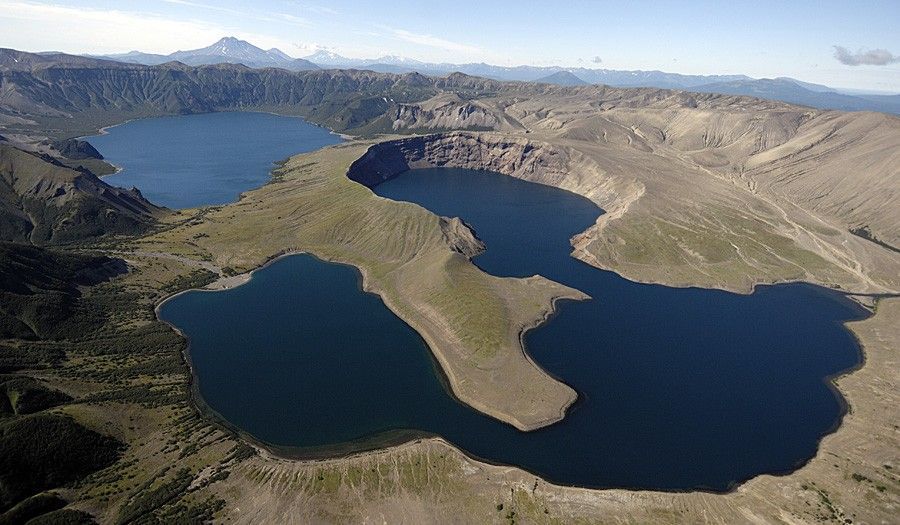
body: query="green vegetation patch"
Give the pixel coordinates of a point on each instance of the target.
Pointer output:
(40, 290)
(195, 279)
(63, 517)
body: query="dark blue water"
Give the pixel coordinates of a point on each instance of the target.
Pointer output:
(200, 160)
(679, 388)
(300, 356)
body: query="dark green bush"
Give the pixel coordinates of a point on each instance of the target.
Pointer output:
(32, 508)
(25, 395)
(64, 517)
(44, 451)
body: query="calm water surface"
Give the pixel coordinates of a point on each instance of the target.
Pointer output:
(678, 388)
(208, 159)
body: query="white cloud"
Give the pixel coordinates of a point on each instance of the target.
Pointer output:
(433, 41)
(292, 19)
(318, 9)
(307, 48)
(254, 14)
(201, 6)
(44, 27)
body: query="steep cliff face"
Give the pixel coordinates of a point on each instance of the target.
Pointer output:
(445, 111)
(75, 149)
(515, 156)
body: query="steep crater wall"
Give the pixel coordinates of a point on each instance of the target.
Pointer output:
(515, 156)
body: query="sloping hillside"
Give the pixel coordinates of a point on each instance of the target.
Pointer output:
(44, 97)
(39, 289)
(43, 202)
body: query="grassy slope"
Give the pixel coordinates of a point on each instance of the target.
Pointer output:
(43, 202)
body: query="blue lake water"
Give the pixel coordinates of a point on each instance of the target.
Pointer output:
(678, 388)
(207, 159)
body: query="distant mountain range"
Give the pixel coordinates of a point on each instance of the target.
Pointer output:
(234, 51)
(610, 77)
(783, 89)
(805, 94)
(228, 50)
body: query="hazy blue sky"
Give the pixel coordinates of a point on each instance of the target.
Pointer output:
(760, 38)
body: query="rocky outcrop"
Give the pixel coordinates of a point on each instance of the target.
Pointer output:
(460, 237)
(509, 155)
(75, 149)
(445, 111)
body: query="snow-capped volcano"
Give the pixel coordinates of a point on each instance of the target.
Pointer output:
(229, 50)
(327, 58)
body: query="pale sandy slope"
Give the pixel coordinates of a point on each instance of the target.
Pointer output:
(720, 191)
